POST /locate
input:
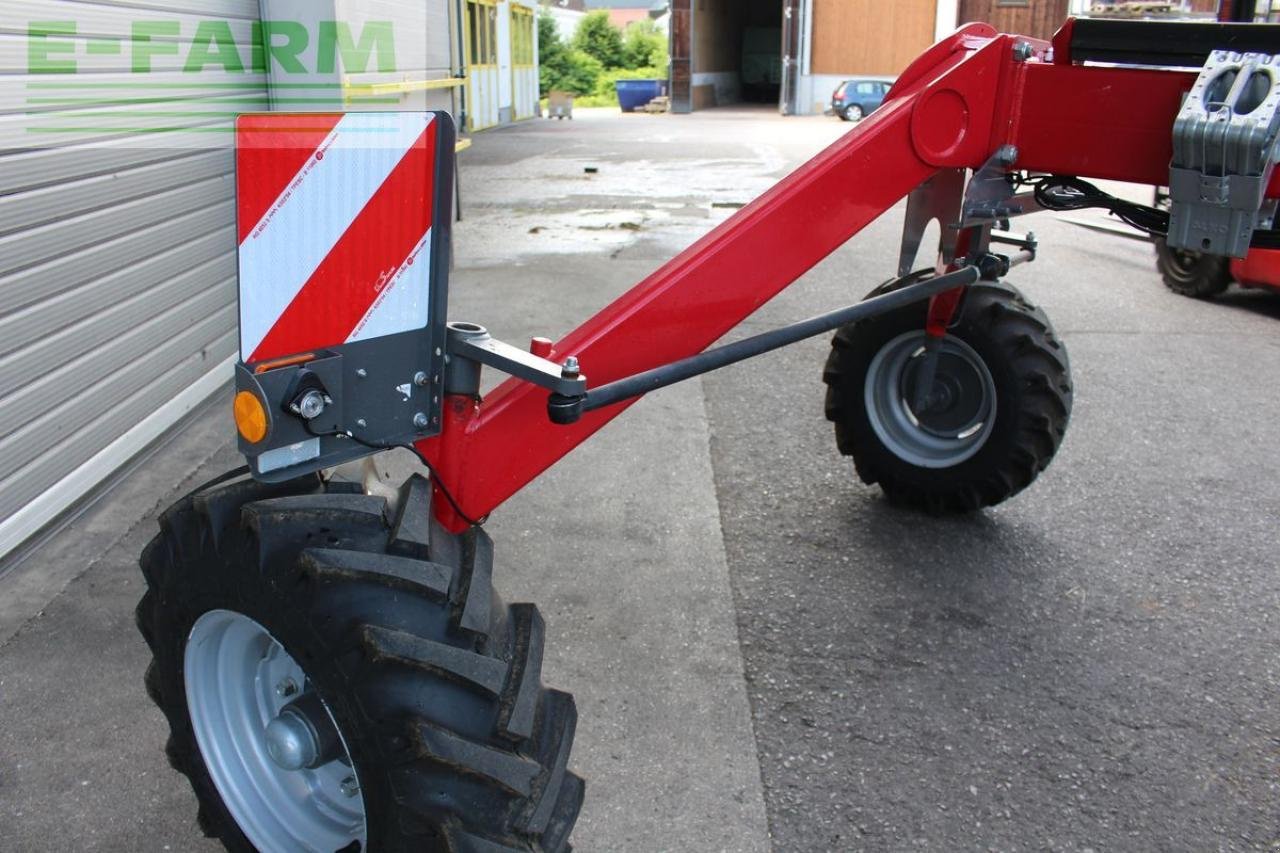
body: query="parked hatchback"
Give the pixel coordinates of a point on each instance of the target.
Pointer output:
(856, 98)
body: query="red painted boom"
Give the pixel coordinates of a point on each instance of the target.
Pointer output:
(953, 108)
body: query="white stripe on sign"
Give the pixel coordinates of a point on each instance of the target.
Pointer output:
(405, 300)
(312, 214)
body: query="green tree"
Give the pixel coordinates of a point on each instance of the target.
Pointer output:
(644, 46)
(597, 37)
(561, 68)
(553, 56)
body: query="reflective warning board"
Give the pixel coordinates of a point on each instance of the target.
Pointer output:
(335, 215)
(343, 228)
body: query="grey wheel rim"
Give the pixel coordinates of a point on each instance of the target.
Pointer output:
(853, 112)
(962, 409)
(238, 679)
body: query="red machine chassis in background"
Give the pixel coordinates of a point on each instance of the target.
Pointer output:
(1260, 269)
(952, 108)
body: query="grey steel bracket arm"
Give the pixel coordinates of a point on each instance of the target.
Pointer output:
(470, 346)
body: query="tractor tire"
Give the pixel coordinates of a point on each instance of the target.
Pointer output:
(997, 415)
(437, 732)
(1192, 274)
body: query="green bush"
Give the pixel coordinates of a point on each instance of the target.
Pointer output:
(582, 74)
(644, 46)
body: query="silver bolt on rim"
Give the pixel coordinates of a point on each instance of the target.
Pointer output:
(962, 408)
(238, 679)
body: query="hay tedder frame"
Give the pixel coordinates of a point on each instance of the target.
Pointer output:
(336, 670)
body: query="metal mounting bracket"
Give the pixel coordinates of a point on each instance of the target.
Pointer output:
(986, 200)
(937, 198)
(990, 197)
(470, 346)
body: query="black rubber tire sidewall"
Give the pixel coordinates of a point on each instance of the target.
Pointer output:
(217, 579)
(1208, 275)
(269, 553)
(1008, 460)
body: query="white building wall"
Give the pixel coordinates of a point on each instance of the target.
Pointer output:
(566, 20)
(506, 109)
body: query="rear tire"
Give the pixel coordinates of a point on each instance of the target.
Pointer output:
(433, 684)
(1193, 274)
(853, 112)
(1009, 373)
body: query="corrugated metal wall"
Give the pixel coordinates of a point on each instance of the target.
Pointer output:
(117, 220)
(117, 259)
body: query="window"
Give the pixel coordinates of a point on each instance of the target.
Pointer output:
(482, 29)
(521, 36)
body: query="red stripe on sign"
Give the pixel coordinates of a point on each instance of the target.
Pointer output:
(342, 289)
(271, 150)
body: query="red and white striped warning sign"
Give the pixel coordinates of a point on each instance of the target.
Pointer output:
(335, 214)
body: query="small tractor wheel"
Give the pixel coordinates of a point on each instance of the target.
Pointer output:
(1192, 274)
(996, 412)
(337, 677)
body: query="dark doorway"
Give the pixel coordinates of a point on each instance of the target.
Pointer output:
(761, 41)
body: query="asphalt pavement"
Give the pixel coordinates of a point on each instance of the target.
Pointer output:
(766, 655)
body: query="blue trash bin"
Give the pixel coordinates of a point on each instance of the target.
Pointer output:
(633, 94)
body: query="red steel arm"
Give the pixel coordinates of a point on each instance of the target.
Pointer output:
(952, 108)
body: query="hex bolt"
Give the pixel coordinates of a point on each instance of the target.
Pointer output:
(362, 423)
(362, 373)
(570, 369)
(420, 379)
(286, 687)
(1022, 51)
(420, 420)
(350, 787)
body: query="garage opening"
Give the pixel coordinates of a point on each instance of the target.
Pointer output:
(736, 52)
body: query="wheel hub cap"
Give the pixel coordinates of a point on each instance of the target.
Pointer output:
(277, 759)
(290, 741)
(955, 417)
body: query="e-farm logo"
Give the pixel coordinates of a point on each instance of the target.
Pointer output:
(194, 75)
(273, 45)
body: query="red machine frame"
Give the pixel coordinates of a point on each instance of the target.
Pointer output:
(1260, 269)
(955, 106)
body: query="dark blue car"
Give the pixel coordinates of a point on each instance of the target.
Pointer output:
(856, 98)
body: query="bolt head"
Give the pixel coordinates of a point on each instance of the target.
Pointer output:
(1022, 51)
(571, 370)
(350, 787)
(362, 373)
(311, 406)
(362, 423)
(286, 687)
(420, 379)
(421, 421)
